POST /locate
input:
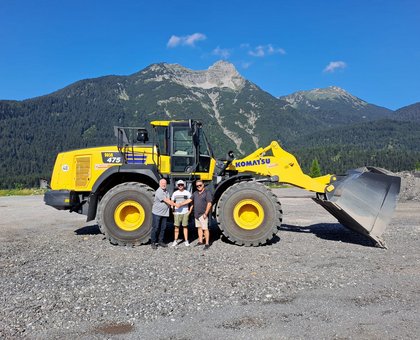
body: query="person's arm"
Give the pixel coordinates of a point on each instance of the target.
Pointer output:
(188, 201)
(164, 198)
(169, 202)
(208, 207)
(173, 200)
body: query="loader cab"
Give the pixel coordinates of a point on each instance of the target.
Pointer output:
(183, 147)
(183, 155)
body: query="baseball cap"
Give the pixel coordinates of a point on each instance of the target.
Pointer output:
(180, 182)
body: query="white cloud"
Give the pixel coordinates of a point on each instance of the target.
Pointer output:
(187, 40)
(273, 50)
(192, 39)
(246, 65)
(174, 41)
(335, 65)
(221, 52)
(264, 50)
(257, 52)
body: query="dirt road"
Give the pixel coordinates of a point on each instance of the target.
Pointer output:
(60, 279)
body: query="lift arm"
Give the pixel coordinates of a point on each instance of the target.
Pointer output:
(273, 160)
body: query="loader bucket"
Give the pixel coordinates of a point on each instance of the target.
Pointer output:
(363, 201)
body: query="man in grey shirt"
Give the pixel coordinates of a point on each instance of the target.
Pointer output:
(160, 213)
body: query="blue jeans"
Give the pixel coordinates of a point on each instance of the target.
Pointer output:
(158, 228)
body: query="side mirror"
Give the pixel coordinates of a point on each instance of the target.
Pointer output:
(142, 135)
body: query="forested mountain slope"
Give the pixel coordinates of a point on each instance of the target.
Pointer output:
(236, 113)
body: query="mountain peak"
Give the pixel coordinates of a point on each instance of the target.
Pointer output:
(332, 93)
(220, 74)
(333, 89)
(223, 66)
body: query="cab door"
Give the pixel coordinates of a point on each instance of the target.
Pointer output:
(183, 154)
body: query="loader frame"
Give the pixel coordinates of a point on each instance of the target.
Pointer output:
(84, 179)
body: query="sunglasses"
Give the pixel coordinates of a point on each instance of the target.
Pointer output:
(180, 185)
(199, 185)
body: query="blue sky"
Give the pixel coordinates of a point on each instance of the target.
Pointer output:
(369, 48)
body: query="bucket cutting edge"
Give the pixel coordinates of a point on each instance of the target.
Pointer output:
(364, 201)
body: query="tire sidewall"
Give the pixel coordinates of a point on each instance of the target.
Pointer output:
(113, 199)
(232, 197)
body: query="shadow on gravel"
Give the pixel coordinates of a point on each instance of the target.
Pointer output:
(331, 232)
(245, 322)
(215, 233)
(114, 328)
(274, 240)
(88, 230)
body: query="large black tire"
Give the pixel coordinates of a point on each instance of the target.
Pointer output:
(125, 214)
(249, 214)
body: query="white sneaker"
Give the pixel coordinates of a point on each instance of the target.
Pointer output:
(174, 244)
(187, 244)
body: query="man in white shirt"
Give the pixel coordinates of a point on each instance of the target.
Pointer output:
(182, 213)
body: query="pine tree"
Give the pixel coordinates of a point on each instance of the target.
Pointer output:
(315, 170)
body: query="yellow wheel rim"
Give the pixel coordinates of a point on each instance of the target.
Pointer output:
(129, 215)
(248, 214)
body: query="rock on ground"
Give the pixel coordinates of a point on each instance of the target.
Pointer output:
(410, 186)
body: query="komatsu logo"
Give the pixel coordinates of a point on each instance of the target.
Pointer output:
(261, 161)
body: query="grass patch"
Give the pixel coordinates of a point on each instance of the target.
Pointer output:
(279, 186)
(21, 192)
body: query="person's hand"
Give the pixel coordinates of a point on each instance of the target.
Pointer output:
(204, 215)
(177, 205)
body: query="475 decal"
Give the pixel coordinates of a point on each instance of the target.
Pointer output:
(112, 157)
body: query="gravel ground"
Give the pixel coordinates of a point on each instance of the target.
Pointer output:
(60, 279)
(410, 186)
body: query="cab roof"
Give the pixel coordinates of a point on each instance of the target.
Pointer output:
(166, 122)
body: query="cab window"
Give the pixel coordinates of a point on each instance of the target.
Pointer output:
(183, 158)
(183, 142)
(162, 139)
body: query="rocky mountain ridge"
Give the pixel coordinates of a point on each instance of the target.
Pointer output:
(220, 75)
(335, 105)
(236, 113)
(329, 93)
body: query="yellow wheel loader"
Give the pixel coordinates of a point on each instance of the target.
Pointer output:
(115, 185)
